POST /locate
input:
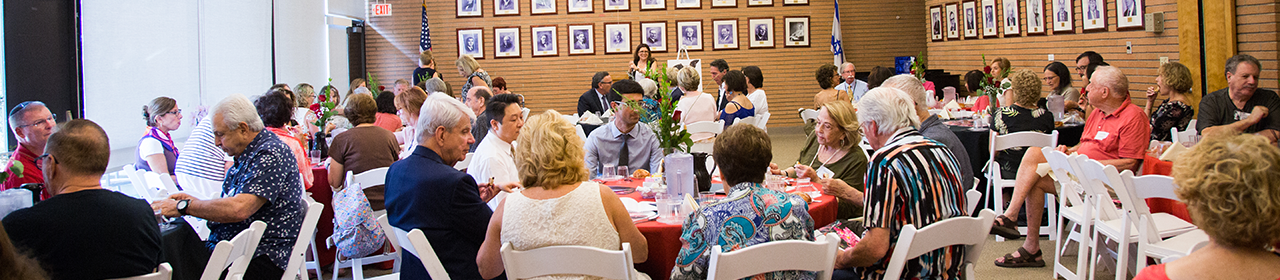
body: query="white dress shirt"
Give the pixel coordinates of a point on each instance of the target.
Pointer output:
(759, 101)
(859, 89)
(494, 158)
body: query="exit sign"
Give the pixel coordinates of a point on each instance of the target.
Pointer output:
(381, 10)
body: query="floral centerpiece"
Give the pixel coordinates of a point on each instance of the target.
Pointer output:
(16, 169)
(918, 66)
(661, 115)
(990, 86)
(324, 108)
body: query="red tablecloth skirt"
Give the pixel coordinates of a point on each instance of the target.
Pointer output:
(1155, 166)
(664, 239)
(322, 193)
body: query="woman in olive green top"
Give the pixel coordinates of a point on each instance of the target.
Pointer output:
(834, 146)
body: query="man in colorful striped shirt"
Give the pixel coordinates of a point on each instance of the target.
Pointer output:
(911, 180)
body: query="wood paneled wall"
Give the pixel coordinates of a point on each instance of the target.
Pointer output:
(874, 32)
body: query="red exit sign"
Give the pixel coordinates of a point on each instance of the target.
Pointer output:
(381, 10)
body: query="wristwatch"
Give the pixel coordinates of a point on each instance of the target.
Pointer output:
(182, 206)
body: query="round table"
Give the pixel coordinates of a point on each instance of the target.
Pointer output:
(323, 194)
(664, 239)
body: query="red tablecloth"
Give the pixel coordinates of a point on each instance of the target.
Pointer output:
(1155, 166)
(664, 239)
(322, 193)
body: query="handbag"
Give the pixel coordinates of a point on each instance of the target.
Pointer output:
(355, 231)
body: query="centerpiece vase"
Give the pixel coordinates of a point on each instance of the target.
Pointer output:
(700, 171)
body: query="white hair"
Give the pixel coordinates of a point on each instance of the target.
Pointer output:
(910, 85)
(434, 85)
(440, 110)
(360, 90)
(650, 88)
(236, 109)
(890, 108)
(846, 65)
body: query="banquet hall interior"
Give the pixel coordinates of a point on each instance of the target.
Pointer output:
(387, 139)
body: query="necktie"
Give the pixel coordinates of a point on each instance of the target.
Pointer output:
(624, 155)
(604, 105)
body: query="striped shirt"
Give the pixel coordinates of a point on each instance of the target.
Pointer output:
(913, 180)
(200, 157)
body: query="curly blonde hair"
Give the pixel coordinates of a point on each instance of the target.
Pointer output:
(1026, 87)
(1232, 189)
(845, 117)
(550, 153)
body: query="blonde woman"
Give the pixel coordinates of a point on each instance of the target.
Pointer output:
(1233, 193)
(1177, 111)
(557, 196)
(468, 67)
(695, 106)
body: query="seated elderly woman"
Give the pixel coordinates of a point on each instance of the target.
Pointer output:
(1233, 193)
(361, 148)
(1022, 113)
(409, 106)
(743, 152)
(833, 147)
(275, 110)
(156, 151)
(1177, 111)
(557, 196)
(828, 77)
(693, 105)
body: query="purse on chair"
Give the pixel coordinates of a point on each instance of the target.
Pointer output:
(355, 231)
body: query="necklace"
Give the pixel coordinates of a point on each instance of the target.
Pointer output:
(819, 154)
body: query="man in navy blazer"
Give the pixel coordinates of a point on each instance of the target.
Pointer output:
(425, 192)
(596, 100)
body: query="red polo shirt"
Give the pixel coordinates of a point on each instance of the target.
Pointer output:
(1124, 133)
(30, 174)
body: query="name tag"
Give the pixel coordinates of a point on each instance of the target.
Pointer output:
(1102, 135)
(1242, 115)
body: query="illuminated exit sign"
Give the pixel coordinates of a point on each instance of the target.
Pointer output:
(381, 10)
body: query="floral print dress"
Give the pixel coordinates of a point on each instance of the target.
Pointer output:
(1169, 115)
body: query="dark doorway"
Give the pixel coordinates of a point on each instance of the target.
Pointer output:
(41, 53)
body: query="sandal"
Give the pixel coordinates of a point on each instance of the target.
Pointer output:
(1025, 260)
(1006, 228)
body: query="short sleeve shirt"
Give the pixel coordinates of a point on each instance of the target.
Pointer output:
(1217, 109)
(265, 169)
(1124, 133)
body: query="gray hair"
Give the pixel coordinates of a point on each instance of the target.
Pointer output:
(441, 110)
(435, 85)
(236, 109)
(890, 108)
(909, 84)
(17, 118)
(360, 90)
(650, 87)
(847, 64)
(689, 79)
(1237, 59)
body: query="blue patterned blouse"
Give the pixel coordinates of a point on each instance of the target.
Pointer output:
(749, 215)
(268, 170)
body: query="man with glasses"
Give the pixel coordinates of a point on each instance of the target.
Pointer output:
(624, 141)
(32, 124)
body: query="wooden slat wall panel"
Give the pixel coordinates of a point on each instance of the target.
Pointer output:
(1256, 29)
(873, 34)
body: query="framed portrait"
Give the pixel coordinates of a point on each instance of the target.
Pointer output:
(654, 34)
(469, 8)
(1012, 26)
(688, 4)
(1035, 16)
(935, 23)
(751, 3)
(617, 38)
(953, 21)
(726, 34)
(616, 5)
(724, 3)
(581, 39)
(989, 26)
(969, 14)
(506, 7)
(544, 40)
(795, 2)
(653, 4)
(539, 7)
(689, 34)
(1095, 14)
(761, 32)
(1063, 15)
(506, 42)
(1129, 14)
(471, 42)
(797, 29)
(581, 6)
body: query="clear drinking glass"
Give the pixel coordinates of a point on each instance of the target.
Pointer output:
(623, 172)
(668, 208)
(315, 156)
(609, 171)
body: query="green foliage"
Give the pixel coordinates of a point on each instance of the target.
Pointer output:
(372, 83)
(671, 134)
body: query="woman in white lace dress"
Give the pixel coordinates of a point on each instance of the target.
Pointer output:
(557, 206)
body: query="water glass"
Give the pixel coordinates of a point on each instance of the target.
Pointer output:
(609, 171)
(315, 156)
(707, 197)
(622, 172)
(669, 208)
(774, 182)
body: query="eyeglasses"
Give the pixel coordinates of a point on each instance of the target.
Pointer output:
(1081, 68)
(51, 119)
(40, 160)
(176, 112)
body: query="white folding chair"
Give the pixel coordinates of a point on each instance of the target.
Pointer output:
(747, 120)
(234, 256)
(807, 115)
(462, 164)
(968, 231)
(581, 133)
(1121, 229)
(364, 180)
(418, 246)
(306, 233)
(568, 259)
(818, 255)
(139, 184)
(971, 198)
(1074, 211)
(1183, 136)
(524, 113)
(998, 183)
(1149, 244)
(163, 272)
(704, 127)
(762, 121)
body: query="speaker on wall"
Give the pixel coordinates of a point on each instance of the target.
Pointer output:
(355, 51)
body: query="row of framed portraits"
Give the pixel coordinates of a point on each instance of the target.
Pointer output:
(473, 8)
(617, 37)
(946, 20)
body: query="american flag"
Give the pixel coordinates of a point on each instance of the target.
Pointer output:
(424, 43)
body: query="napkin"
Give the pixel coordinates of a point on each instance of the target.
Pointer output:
(951, 106)
(607, 114)
(1172, 153)
(945, 114)
(590, 118)
(634, 206)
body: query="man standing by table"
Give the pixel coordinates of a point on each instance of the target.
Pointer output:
(893, 200)
(425, 192)
(32, 123)
(1116, 133)
(84, 231)
(262, 185)
(1242, 107)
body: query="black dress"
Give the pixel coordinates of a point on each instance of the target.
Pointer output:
(1169, 115)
